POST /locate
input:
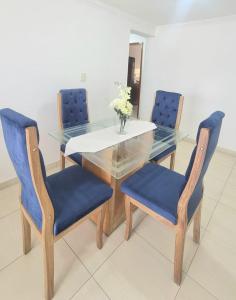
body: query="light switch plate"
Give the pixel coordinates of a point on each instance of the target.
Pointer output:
(83, 77)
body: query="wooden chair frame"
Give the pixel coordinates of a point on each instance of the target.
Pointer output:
(182, 222)
(177, 123)
(46, 234)
(59, 108)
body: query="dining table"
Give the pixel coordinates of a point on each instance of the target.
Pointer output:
(118, 160)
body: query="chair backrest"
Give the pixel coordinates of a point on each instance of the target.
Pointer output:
(14, 125)
(213, 124)
(167, 109)
(73, 107)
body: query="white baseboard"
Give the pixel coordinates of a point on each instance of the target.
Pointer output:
(218, 149)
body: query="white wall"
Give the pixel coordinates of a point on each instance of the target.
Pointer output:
(199, 61)
(45, 46)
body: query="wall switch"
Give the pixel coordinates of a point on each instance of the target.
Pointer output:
(83, 77)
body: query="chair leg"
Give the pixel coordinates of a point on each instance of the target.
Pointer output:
(179, 254)
(128, 213)
(62, 161)
(197, 225)
(26, 233)
(48, 261)
(100, 222)
(172, 161)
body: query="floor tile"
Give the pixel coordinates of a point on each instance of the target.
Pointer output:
(213, 187)
(208, 207)
(220, 171)
(223, 224)
(11, 239)
(26, 275)
(138, 217)
(90, 291)
(9, 200)
(232, 177)
(191, 290)
(53, 170)
(162, 238)
(137, 271)
(214, 267)
(229, 195)
(83, 242)
(224, 159)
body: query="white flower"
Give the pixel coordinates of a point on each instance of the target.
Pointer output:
(122, 105)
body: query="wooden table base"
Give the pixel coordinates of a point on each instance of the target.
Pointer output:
(115, 212)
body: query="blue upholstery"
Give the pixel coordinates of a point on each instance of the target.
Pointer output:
(160, 189)
(74, 107)
(75, 157)
(74, 192)
(165, 109)
(74, 112)
(14, 125)
(164, 113)
(165, 153)
(214, 123)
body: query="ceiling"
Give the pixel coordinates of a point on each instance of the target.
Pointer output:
(161, 12)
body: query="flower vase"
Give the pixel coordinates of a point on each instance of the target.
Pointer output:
(123, 120)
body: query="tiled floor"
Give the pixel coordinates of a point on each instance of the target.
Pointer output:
(141, 268)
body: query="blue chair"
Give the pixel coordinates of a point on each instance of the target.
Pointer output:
(172, 198)
(73, 111)
(167, 112)
(51, 205)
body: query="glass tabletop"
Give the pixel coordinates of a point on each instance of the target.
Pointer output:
(125, 157)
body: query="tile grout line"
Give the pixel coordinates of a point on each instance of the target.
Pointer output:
(221, 194)
(77, 256)
(210, 293)
(156, 250)
(9, 214)
(206, 228)
(146, 241)
(77, 291)
(96, 270)
(13, 261)
(101, 288)
(108, 258)
(202, 287)
(92, 274)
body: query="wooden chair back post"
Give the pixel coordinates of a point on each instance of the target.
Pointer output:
(179, 113)
(38, 181)
(194, 176)
(59, 110)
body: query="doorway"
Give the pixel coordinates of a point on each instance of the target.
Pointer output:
(134, 77)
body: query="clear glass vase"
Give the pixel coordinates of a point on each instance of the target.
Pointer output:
(123, 120)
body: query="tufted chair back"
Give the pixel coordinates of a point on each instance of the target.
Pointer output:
(74, 109)
(165, 110)
(213, 123)
(14, 125)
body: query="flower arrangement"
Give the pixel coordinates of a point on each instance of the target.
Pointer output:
(122, 106)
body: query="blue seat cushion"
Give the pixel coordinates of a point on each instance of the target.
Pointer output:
(74, 193)
(165, 153)
(159, 189)
(76, 157)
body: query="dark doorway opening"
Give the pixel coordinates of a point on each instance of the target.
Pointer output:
(135, 74)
